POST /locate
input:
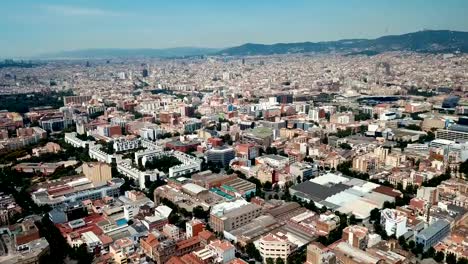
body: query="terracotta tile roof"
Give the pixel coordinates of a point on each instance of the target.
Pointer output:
(205, 235)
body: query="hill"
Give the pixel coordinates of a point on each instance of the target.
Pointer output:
(433, 41)
(428, 41)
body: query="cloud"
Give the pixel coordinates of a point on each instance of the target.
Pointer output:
(65, 10)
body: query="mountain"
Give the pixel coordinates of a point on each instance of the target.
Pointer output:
(129, 53)
(432, 41)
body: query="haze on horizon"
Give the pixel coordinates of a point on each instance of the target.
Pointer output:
(31, 27)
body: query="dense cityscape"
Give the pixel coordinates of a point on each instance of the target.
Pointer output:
(273, 159)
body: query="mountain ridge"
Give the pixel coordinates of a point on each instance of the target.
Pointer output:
(427, 41)
(420, 41)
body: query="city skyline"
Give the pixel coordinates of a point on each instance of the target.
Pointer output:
(52, 26)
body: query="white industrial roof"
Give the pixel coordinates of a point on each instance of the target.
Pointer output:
(193, 188)
(342, 198)
(329, 178)
(360, 208)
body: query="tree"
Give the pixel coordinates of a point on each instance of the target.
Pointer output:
(267, 185)
(362, 116)
(270, 261)
(162, 163)
(413, 127)
(345, 146)
(464, 168)
(325, 140)
(462, 261)
(451, 258)
(82, 255)
(200, 213)
(430, 253)
(341, 133)
(411, 244)
(279, 260)
(353, 220)
(173, 218)
(417, 249)
(271, 150)
(439, 256)
(252, 251)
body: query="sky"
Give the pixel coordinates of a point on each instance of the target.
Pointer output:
(35, 27)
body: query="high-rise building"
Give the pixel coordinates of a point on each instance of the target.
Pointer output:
(97, 172)
(144, 73)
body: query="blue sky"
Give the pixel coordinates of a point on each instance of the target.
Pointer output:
(32, 27)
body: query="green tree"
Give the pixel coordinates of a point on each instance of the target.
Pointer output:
(402, 241)
(252, 251)
(82, 255)
(345, 146)
(200, 213)
(270, 261)
(353, 220)
(451, 258)
(279, 260)
(439, 256)
(271, 150)
(267, 185)
(413, 127)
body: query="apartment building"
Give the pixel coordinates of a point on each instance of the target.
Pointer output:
(274, 246)
(231, 215)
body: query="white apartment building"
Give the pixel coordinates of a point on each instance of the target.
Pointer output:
(125, 167)
(130, 210)
(274, 246)
(394, 222)
(144, 154)
(95, 152)
(71, 139)
(126, 143)
(150, 144)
